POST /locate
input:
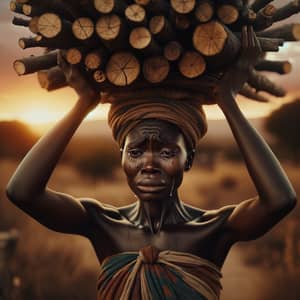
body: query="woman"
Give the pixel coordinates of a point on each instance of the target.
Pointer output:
(158, 247)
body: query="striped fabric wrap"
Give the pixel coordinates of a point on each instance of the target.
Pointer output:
(153, 275)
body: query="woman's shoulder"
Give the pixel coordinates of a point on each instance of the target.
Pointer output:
(207, 215)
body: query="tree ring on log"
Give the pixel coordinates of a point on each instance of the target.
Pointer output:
(49, 25)
(122, 68)
(204, 11)
(228, 14)
(135, 13)
(209, 38)
(140, 38)
(19, 67)
(192, 64)
(73, 56)
(99, 76)
(83, 28)
(183, 6)
(156, 69)
(108, 27)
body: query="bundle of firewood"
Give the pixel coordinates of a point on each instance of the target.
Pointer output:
(151, 46)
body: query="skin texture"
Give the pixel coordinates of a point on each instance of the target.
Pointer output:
(154, 159)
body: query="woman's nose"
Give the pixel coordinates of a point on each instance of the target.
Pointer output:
(150, 164)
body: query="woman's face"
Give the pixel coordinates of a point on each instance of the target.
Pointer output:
(154, 159)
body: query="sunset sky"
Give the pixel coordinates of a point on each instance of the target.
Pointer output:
(21, 97)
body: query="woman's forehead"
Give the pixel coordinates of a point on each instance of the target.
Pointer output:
(157, 130)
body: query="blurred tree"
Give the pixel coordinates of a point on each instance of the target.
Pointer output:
(284, 125)
(15, 139)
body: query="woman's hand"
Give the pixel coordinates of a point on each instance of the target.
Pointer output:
(236, 76)
(88, 95)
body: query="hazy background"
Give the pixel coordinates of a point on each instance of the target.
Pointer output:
(48, 265)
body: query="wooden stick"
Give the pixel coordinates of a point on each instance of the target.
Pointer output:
(156, 69)
(183, 6)
(83, 28)
(20, 22)
(192, 64)
(287, 10)
(33, 25)
(122, 68)
(16, 7)
(280, 67)
(262, 83)
(52, 79)
(112, 31)
(32, 11)
(227, 13)
(33, 64)
(30, 42)
(110, 6)
(259, 4)
(204, 10)
(173, 50)
(141, 39)
(288, 32)
(264, 18)
(270, 44)
(136, 15)
(248, 92)
(161, 29)
(95, 59)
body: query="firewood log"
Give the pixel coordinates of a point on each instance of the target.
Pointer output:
(75, 55)
(110, 6)
(95, 59)
(112, 32)
(33, 64)
(141, 39)
(259, 4)
(122, 68)
(227, 13)
(192, 64)
(173, 50)
(204, 10)
(33, 25)
(16, 7)
(99, 76)
(136, 15)
(20, 22)
(52, 79)
(287, 10)
(183, 6)
(156, 69)
(83, 28)
(32, 11)
(161, 29)
(280, 67)
(264, 18)
(288, 32)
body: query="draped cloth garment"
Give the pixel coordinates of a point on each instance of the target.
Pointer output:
(153, 275)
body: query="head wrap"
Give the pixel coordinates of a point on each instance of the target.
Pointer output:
(188, 116)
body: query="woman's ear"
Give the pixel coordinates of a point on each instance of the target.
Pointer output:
(189, 160)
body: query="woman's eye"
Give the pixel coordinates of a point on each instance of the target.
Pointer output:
(134, 153)
(167, 153)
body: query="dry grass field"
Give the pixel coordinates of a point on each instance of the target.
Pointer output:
(49, 265)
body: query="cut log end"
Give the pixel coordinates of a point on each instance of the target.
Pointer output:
(19, 67)
(99, 76)
(156, 69)
(228, 14)
(49, 25)
(172, 51)
(156, 24)
(108, 27)
(192, 64)
(73, 56)
(135, 13)
(140, 38)
(122, 68)
(204, 11)
(83, 28)
(183, 6)
(209, 39)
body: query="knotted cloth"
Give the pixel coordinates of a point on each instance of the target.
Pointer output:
(188, 116)
(153, 275)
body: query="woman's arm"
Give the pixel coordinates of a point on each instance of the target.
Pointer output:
(28, 186)
(276, 197)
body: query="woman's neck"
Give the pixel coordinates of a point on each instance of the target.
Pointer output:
(155, 214)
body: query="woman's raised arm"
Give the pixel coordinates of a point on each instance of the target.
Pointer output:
(276, 197)
(28, 186)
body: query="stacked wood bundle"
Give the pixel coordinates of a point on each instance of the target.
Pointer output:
(127, 45)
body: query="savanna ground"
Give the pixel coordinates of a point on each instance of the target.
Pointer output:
(50, 265)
